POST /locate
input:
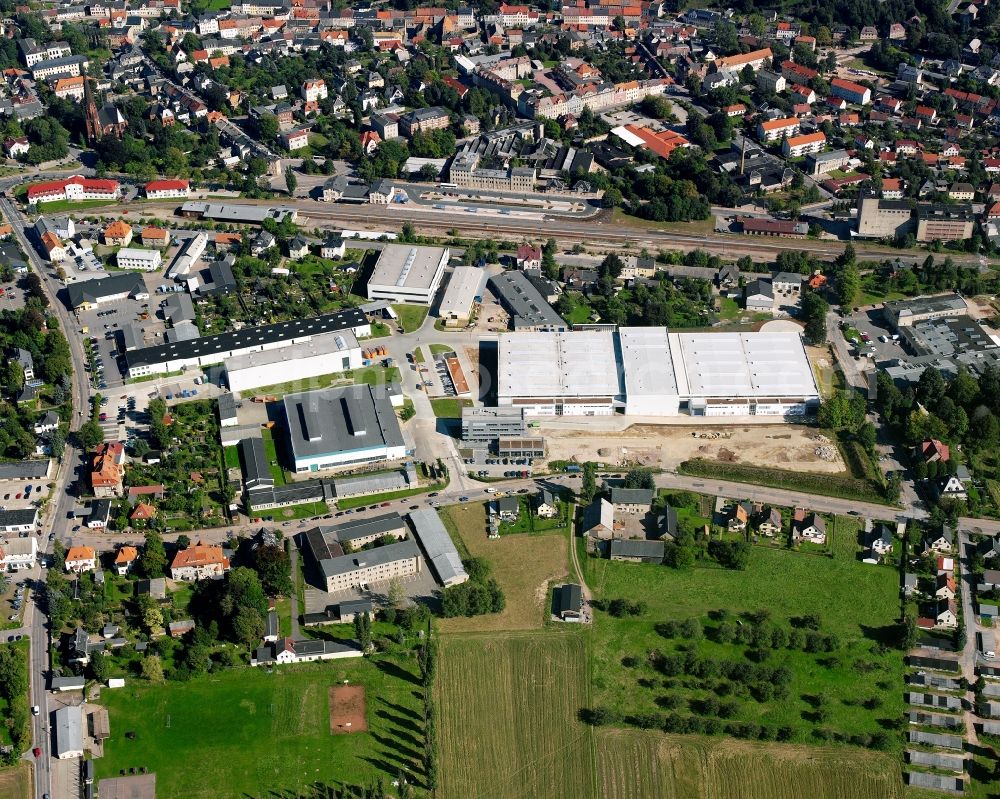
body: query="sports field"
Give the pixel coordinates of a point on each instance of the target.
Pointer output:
(508, 717)
(649, 765)
(524, 565)
(261, 734)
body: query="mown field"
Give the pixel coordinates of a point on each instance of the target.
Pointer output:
(15, 782)
(523, 564)
(649, 765)
(261, 734)
(508, 717)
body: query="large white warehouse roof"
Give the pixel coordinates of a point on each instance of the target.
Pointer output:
(741, 365)
(581, 364)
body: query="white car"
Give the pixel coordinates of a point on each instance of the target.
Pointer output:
(35, 710)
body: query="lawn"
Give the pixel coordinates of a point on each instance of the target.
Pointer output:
(232, 455)
(650, 765)
(307, 510)
(410, 316)
(580, 314)
(508, 717)
(374, 499)
(528, 522)
(524, 565)
(856, 602)
(441, 349)
(271, 452)
(15, 782)
(62, 206)
(264, 734)
(418, 354)
(450, 407)
(373, 375)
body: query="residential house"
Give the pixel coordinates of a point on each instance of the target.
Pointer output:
(18, 554)
(509, 508)
(107, 470)
(567, 602)
(770, 522)
(546, 505)
(118, 234)
(944, 587)
(298, 247)
(180, 628)
(808, 527)
(933, 450)
(199, 561)
(910, 585)
(100, 514)
(597, 520)
(728, 276)
(941, 540)
(632, 500)
(879, 540)
(306, 650)
(529, 257)
(143, 512)
(666, 524)
(758, 295)
(125, 560)
(954, 486)
(946, 614)
(81, 559)
(739, 517)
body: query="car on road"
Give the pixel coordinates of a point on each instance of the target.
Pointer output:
(37, 752)
(524, 491)
(433, 493)
(12, 617)
(35, 710)
(414, 507)
(463, 499)
(385, 504)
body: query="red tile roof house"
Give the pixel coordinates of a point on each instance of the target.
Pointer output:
(529, 257)
(933, 450)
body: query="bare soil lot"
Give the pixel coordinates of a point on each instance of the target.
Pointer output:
(662, 446)
(347, 709)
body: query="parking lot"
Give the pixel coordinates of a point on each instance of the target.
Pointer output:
(21, 494)
(492, 317)
(875, 327)
(106, 323)
(12, 297)
(13, 598)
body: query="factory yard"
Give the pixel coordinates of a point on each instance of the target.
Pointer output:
(792, 447)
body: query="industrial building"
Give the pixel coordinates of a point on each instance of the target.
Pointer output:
(209, 350)
(239, 214)
(464, 290)
(528, 309)
(337, 427)
(325, 354)
(903, 313)
(881, 219)
(93, 293)
(69, 732)
(437, 544)
(652, 372)
(939, 222)
(408, 274)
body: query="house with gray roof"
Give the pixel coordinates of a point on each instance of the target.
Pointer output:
(636, 550)
(598, 519)
(632, 500)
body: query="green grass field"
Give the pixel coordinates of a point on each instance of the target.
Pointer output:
(450, 407)
(508, 717)
(372, 499)
(410, 316)
(260, 734)
(441, 349)
(649, 765)
(856, 602)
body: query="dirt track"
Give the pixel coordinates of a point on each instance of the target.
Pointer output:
(347, 709)
(785, 447)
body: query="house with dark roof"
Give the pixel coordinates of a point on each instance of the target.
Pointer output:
(632, 500)
(304, 650)
(636, 550)
(567, 602)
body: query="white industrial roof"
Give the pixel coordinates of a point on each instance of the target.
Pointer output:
(646, 362)
(405, 265)
(579, 364)
(466, 284)
(742, 365)
(649, 362)
(323, 344)
(628, 136)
